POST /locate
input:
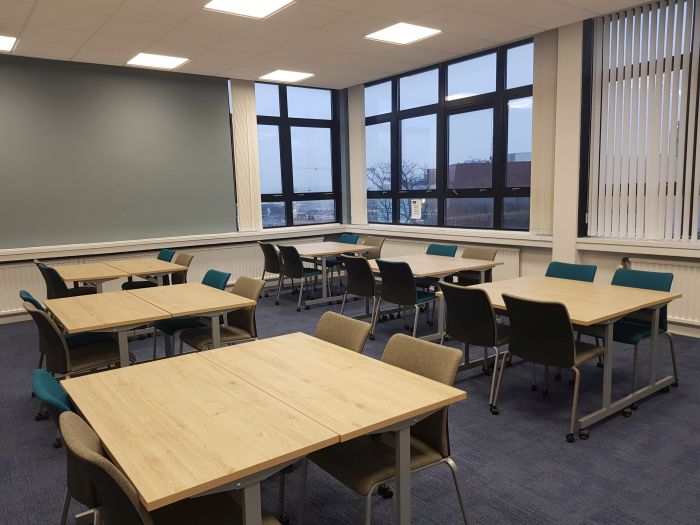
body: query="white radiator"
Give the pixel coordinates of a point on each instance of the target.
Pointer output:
(686, 280)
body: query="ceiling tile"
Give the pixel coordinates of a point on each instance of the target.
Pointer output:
(119, 43)
(203, 20)
(15, 10)
(400, 10)
(156, 10)
(29, 48)
(103, 7)
(323, 39)
(245, 72)
(307, 15)
(54, 35)
(294, 51)
(357, 24)
(248, 43)
(102, 56)
(225, 56)
(378, 63)
(198, 38)
(203, 68)
(274, 31)
(602, 7)
(52, 15)
(344, 5)
(137, 28)
(458, 44)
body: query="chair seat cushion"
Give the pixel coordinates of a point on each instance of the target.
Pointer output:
(309, 272)
(138, 285)
(625, 331)
(215, 509)
(426, 282)
(199, 338)
(88, 338)
(586, 352)
(362, 462)
(49, 391)
(97, 355)
(81, 290)
(424, 297)
(170, 326)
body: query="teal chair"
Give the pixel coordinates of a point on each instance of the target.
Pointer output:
(636, 327)
(446, 250)
(574, 272)
(52, 397)
(172, 327)
(73, 340)
(166, 254)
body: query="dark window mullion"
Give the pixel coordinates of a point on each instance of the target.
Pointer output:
(286, 157)
(500, 134)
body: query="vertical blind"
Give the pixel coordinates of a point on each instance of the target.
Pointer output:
(644, 180)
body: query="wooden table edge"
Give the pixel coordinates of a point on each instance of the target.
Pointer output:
(193, 313)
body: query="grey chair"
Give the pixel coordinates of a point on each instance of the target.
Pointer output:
(541, 332)
(471, 320)
(376, 244)
(343, 331)
(365, 463)
(183, 259)
(240, 324)
(120, 504)
(469, 277)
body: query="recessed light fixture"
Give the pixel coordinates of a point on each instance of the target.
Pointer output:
(7, 43)
(156, 61)
(403, 33)
(286, 76)
(249, 8)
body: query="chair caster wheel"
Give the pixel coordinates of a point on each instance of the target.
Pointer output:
(600, 365)
(385, 492)
(666, 389)
(34, 395)
(545, 392)
(627, 411)
(557, 377)
(533, 388)
(371, 337)
(266, 294)
(674, 384)
(57, 443)
(494, 410)
(634, 406)
(509, 364)
(583, 434)
(570, 438)
(298, 309)
(430, 323)
(277, 303)
(284, 519)
(307, 308)
(41, 416)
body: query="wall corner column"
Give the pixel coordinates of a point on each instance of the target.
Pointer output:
(245, 150)
(356, 140)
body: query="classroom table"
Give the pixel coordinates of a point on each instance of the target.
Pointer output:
(95, 273)
(146, 267)
(590, 304)
(425, 265)
(185, 426)
(347, 392)
(324, 250)
(116, 312)
(194, 300)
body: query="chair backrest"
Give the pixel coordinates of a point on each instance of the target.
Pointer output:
(55, 286)
(349, 238)
(118, 498)
(446, 250)
(360, 279)
(166, 254)
(291, 261)
(244, 318)
(26, 296)
(183, 259)
(660, 281)
(571, 271)
(436, 362)
(482, 254)
(469, 315)
(216, 279)
(343, 331)
(51, 341)
(272, 258)
(540, 332)
(77, 435)
(49, 391)
(398, 284)
(376, 243)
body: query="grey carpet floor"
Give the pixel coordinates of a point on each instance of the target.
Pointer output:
(514, 468)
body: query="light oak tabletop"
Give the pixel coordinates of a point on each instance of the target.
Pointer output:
(587, 303)
(103, 311)
(145, 266)
(345, 391)
(179, 427)
(424, 265)
(85, 272)
(191, 299)
(323, 249)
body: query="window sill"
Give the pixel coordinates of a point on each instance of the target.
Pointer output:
(499, 237)
(684, 249)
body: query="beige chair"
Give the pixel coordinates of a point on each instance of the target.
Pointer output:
(183, 259)
(366, 463)
(482, 254)
(376, 244)
(120, 501)
(240, 323)
(343, 331)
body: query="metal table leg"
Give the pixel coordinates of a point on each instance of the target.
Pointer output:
(216, 330)
(252, 504)
(123, 338)
(403, 480)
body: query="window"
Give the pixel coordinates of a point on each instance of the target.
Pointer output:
(298, 155)
(451, 145)
(643, 135)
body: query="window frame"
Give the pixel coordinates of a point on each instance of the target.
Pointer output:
(284, 124)
(443, 109)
